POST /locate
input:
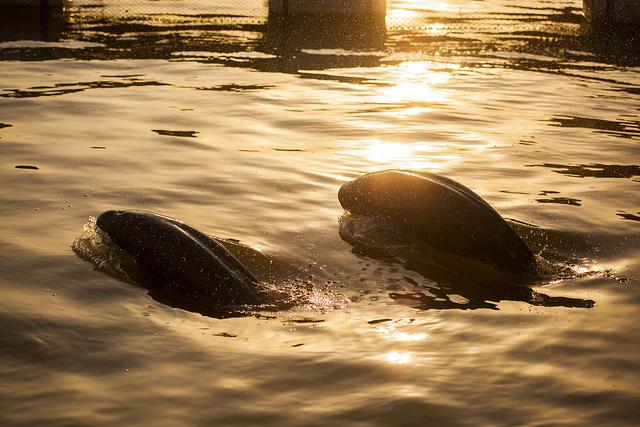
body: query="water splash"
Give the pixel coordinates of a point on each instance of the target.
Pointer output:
(94, 245)
(303, 295)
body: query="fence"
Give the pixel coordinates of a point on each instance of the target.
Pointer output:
(398, 14)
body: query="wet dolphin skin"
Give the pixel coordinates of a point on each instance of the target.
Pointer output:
(441, 212)
(178, 263)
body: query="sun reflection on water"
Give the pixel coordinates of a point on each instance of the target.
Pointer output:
(412, 8)
(403, 336)
(408, 10)
(414, 155)
(436, 29)
(415, 81)
(425, 5)
(383, 152)
(397, 357)
(395, 14)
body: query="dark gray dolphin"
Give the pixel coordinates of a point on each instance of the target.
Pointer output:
(444, 214)
(180, 265)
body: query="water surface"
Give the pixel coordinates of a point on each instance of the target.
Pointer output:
(246, 130)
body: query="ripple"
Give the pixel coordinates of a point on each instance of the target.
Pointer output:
(594, 170)
(178, 133)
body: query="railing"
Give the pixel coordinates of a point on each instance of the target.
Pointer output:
(396, 14)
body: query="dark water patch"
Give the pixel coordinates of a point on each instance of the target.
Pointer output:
(547, 192)
(99, 147)
(200, 15)
(225, 335)
(546, 8)
(454, 285)
(569, 15)
(178, 133)
(624, 129)
(341, 79)
(121, 76)
(593, 170)
(264, 316)
(297, 345)
(305, 320)
(66, 88)
(30, 167)
(289, 149)
(236, 88)
(376, 321)
(484, 298)
(5, 125)
(629, 216)
(561, 246)
(628, 89)
(513, 192)
(561, 201)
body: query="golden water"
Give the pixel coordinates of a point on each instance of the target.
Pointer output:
(248, 138)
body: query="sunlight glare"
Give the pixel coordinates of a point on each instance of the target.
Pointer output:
(401, 14)
(423, 5)
(395, 154)
(399, 358)
(415, 81)
(403, 336)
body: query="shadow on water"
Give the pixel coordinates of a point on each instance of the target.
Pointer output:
(452, 283)
(594, 170)
(622, 129)
(66, 88)
(452, 289)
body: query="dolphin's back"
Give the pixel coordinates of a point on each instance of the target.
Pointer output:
(176, 260)
(442, 212)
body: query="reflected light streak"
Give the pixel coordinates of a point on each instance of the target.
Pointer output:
(414, 111)
(415, 81)
(425, 5)
(381, 152)
(394, 154)
(436, 29)
(403, 336)
(410, 92)
(411, 9)
(401, 14)
(386, 329)
(399, 358)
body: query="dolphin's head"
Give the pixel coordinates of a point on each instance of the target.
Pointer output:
(379, 193)
(120, 226)
(110, 221)
(348, 196)
(356, 196)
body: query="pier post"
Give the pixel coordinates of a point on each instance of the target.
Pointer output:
(334, 8)
(314, 24)
(605, 12)
(50, 4)
(31, 19)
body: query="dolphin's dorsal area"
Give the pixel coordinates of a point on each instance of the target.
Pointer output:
(179, 264)
(442, 213)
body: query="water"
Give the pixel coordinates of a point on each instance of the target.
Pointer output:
(246, 132)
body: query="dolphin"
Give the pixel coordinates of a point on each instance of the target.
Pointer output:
(444, 214)
(180, 265)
